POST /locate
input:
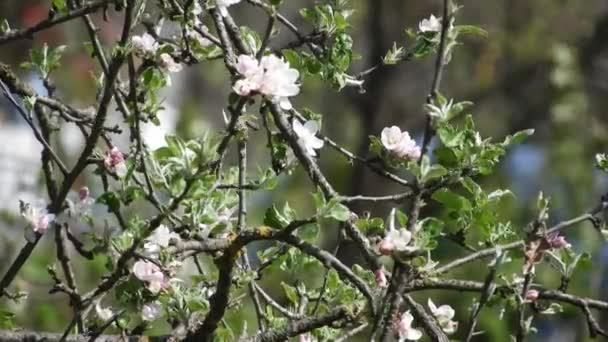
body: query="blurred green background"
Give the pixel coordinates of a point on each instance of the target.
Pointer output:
(544, 65)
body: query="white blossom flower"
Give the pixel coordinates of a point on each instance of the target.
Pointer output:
(167, 62)
(144, 45)
(115, 161)
(103, 313)
(38, 219)
(272, 76)
(151, 311)
(432, 24)
(306, 136)
(399, 143)
(402, 325)
(222, 5)
(444, 315)
(149, 272)
(159, 239)
(400, 238)
(395, 239)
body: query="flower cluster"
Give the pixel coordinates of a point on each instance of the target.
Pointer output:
(149, 272)
(115, 161)
(145, 46)
(400, 144)
(307, 136)
(271, 76)
(444, 315)
(535, 250)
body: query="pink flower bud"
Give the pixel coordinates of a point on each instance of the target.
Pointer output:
(83, 193)
(113, 157)
(557, 241)
(381, 277)
(532, 295)
(386, 247)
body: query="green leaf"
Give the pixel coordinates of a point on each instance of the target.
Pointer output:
(451, 200)
(7, 319)
(337, 211)
(274, 219)
(59, 5)
(290, 292)
(401, 218)
(111, 200)
(470, 29)
(518, 137)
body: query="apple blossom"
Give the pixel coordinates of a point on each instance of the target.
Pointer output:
(306, 136)
(149, 272)
(271, 76)
(444, 315)
(144, 45)
(151, 311)
(115, 161)
(432, 24)
(222, 5)
(402, 325)
(399, 143)
(103, 313)
(78, 206)
(159, 239)
(557, 241)
(396, 239)
(380, 276)
(532, 295)
(38, 219)
(167, 62)
(400, 239)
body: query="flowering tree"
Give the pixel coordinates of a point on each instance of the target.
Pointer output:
(196, 197)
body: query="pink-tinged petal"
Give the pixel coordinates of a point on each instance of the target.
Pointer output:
(413, 334)
(386, 247)
(380, 276)
(532, 295)
(407, 319)
(83, 193)
(246, 65)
